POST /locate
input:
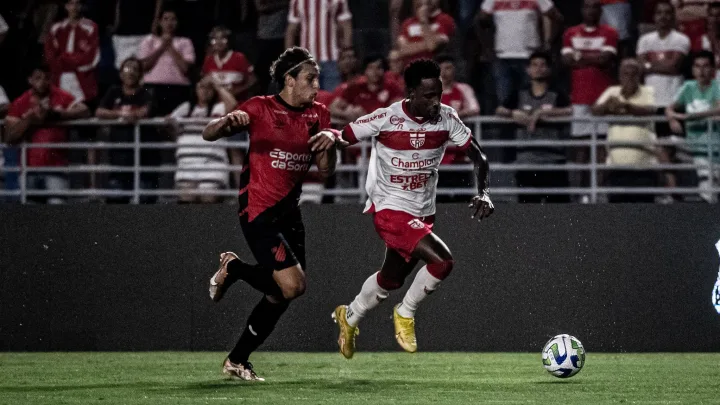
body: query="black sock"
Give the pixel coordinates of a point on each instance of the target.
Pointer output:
(260, 324)
(257, 276)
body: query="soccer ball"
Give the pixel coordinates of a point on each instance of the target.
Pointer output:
(563, 356)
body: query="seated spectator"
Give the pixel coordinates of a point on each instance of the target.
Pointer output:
(395, 68)
(516, 37)
(212, 99)
(368, 93)
(166, 60)
(128, 102)
(700, 99)
(634, 142)
(711, 40)
(72, 52)
(31, 118)
(229, 68)
(426, 33)
(134, 20)
(663, 53)
(528, 108)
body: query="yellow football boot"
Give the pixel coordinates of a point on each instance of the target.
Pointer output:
(405, 331)
(346, 338)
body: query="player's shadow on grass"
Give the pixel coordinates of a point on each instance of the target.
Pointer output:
(558, 381)
(350, 385)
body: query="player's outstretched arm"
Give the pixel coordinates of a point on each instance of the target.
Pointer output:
(224, 126)
(481, 204)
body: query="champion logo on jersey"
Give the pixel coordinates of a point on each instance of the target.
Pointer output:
(417, 140)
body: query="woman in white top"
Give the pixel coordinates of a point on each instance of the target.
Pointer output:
(211, 100)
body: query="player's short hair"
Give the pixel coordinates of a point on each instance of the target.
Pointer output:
(445, 58)
(665, 2)
(704, 55)
(419, 70)
(375, 57)
(541, 55)
(40, 67)
(220, 30)
(290, 63)
(132, 59)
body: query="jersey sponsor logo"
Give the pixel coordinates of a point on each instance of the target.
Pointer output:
(410, 182)
(416, 224)
(417, 164)
(395, 120)
(373, 118)
(307, 115)
(294, 162)
(417, 140)
(280, 112)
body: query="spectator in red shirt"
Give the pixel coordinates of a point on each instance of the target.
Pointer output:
(31, 117)
(368, 93)
(230, 68)
(72, 51)
(349, 72)
(426, 33)
(590, 51)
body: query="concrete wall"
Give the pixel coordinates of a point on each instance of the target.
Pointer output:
(620, 278)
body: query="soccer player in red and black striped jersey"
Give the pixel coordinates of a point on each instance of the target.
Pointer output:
(289, 132)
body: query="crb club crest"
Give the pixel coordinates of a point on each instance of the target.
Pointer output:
(417, 140)
(716, 288)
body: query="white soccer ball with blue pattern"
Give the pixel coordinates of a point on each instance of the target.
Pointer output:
(563, 356)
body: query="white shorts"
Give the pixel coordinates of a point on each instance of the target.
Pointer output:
(584, 129)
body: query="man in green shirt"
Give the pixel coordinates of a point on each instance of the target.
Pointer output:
(700, 99)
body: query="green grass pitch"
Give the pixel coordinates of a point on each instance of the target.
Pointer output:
(372, 378)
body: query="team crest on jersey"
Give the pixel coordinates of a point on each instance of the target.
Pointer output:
(417, 140)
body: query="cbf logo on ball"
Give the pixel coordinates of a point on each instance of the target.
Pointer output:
(716, 289)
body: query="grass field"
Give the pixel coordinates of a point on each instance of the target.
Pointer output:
(374, 378)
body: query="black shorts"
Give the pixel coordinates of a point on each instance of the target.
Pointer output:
(277, 242)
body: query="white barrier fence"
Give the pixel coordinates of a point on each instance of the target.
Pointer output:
(356, 191)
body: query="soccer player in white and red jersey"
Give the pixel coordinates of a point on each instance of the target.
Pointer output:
(409, 139)
(287, 135)
(231, 68)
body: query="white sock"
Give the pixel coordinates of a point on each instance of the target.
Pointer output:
(371, 295)
(423, 285)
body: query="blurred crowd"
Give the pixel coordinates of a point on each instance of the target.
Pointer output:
(526, 60)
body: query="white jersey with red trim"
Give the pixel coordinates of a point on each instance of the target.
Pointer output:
(406, 153)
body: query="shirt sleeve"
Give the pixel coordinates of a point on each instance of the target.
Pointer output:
(108, 99)
(187, 50)
(681, 96)
(488, 6)
(181, 111)
(642, 47)
(294, 14)
(460, 135)
(545, 5)
(343, 11)
(19, 107)
(611, 41)
(3, 26)
(684, 44)
(365, 127)
(605, 96)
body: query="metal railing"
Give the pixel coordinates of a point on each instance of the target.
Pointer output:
(361, 166)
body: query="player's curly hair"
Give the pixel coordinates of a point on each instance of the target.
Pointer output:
(290, 63)
(419, 70)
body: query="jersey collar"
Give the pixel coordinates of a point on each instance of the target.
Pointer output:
(411, 116)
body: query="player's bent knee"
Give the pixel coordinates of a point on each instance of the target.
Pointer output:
(293, 290)
(441, 269)
(388, 283)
